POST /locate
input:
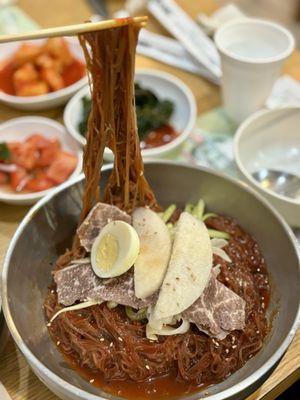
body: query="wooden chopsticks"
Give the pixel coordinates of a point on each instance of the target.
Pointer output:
(72, 30)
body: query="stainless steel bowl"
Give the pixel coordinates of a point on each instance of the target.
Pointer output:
(4, 333)
(46, 231)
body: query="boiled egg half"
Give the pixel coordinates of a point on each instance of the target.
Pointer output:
(115, 249)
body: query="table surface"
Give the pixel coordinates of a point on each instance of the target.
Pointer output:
(15, 373)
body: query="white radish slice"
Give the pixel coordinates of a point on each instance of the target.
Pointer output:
(155, 249)
(189, 268)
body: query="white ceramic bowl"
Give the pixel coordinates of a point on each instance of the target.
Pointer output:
(165, 86)
(48, 100)
(271, 139)
(18, 129)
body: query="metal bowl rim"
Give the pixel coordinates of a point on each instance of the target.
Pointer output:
(39, 366)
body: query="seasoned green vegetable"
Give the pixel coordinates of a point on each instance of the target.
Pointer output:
(4, 152)
(87, 106)
(151, 112)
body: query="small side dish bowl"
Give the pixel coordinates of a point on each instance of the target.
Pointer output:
(44, 101)
(270, 139)
(18, 129)
(164, 86)
(27, 273)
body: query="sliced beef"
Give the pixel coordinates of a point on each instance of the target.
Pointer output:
(121, 291)
(74, 283)
(79, 282)
(218, 310)
(99, 216)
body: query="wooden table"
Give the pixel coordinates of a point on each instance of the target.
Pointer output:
(15, 374)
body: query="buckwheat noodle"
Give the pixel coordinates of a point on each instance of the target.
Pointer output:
(104, 340)
(110, 57)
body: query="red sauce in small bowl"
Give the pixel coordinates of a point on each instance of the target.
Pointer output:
(160, 136)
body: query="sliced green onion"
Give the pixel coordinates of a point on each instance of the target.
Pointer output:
(218, 234)
(208, 215)
(199, 209)
(167, 214)
(136, 315)
(171, 227)
(111, 304)
(189, 208)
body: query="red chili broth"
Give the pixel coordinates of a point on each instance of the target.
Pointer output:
(164, 388)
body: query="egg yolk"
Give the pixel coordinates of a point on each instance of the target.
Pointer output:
(107, 252)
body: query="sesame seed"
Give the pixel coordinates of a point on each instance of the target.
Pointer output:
(217, 344)
(52, 291)
(147, 367)
(49, 324)
(257, 332)
(102, 339)
(119, 338)
(227, 351)
(58, 343)
(258, 270)
(92, 380)
(234, 346)
(226, 279)
(111, 344)
(263, 305)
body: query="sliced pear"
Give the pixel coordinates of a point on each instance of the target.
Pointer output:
(155, 249)
(189, 268)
